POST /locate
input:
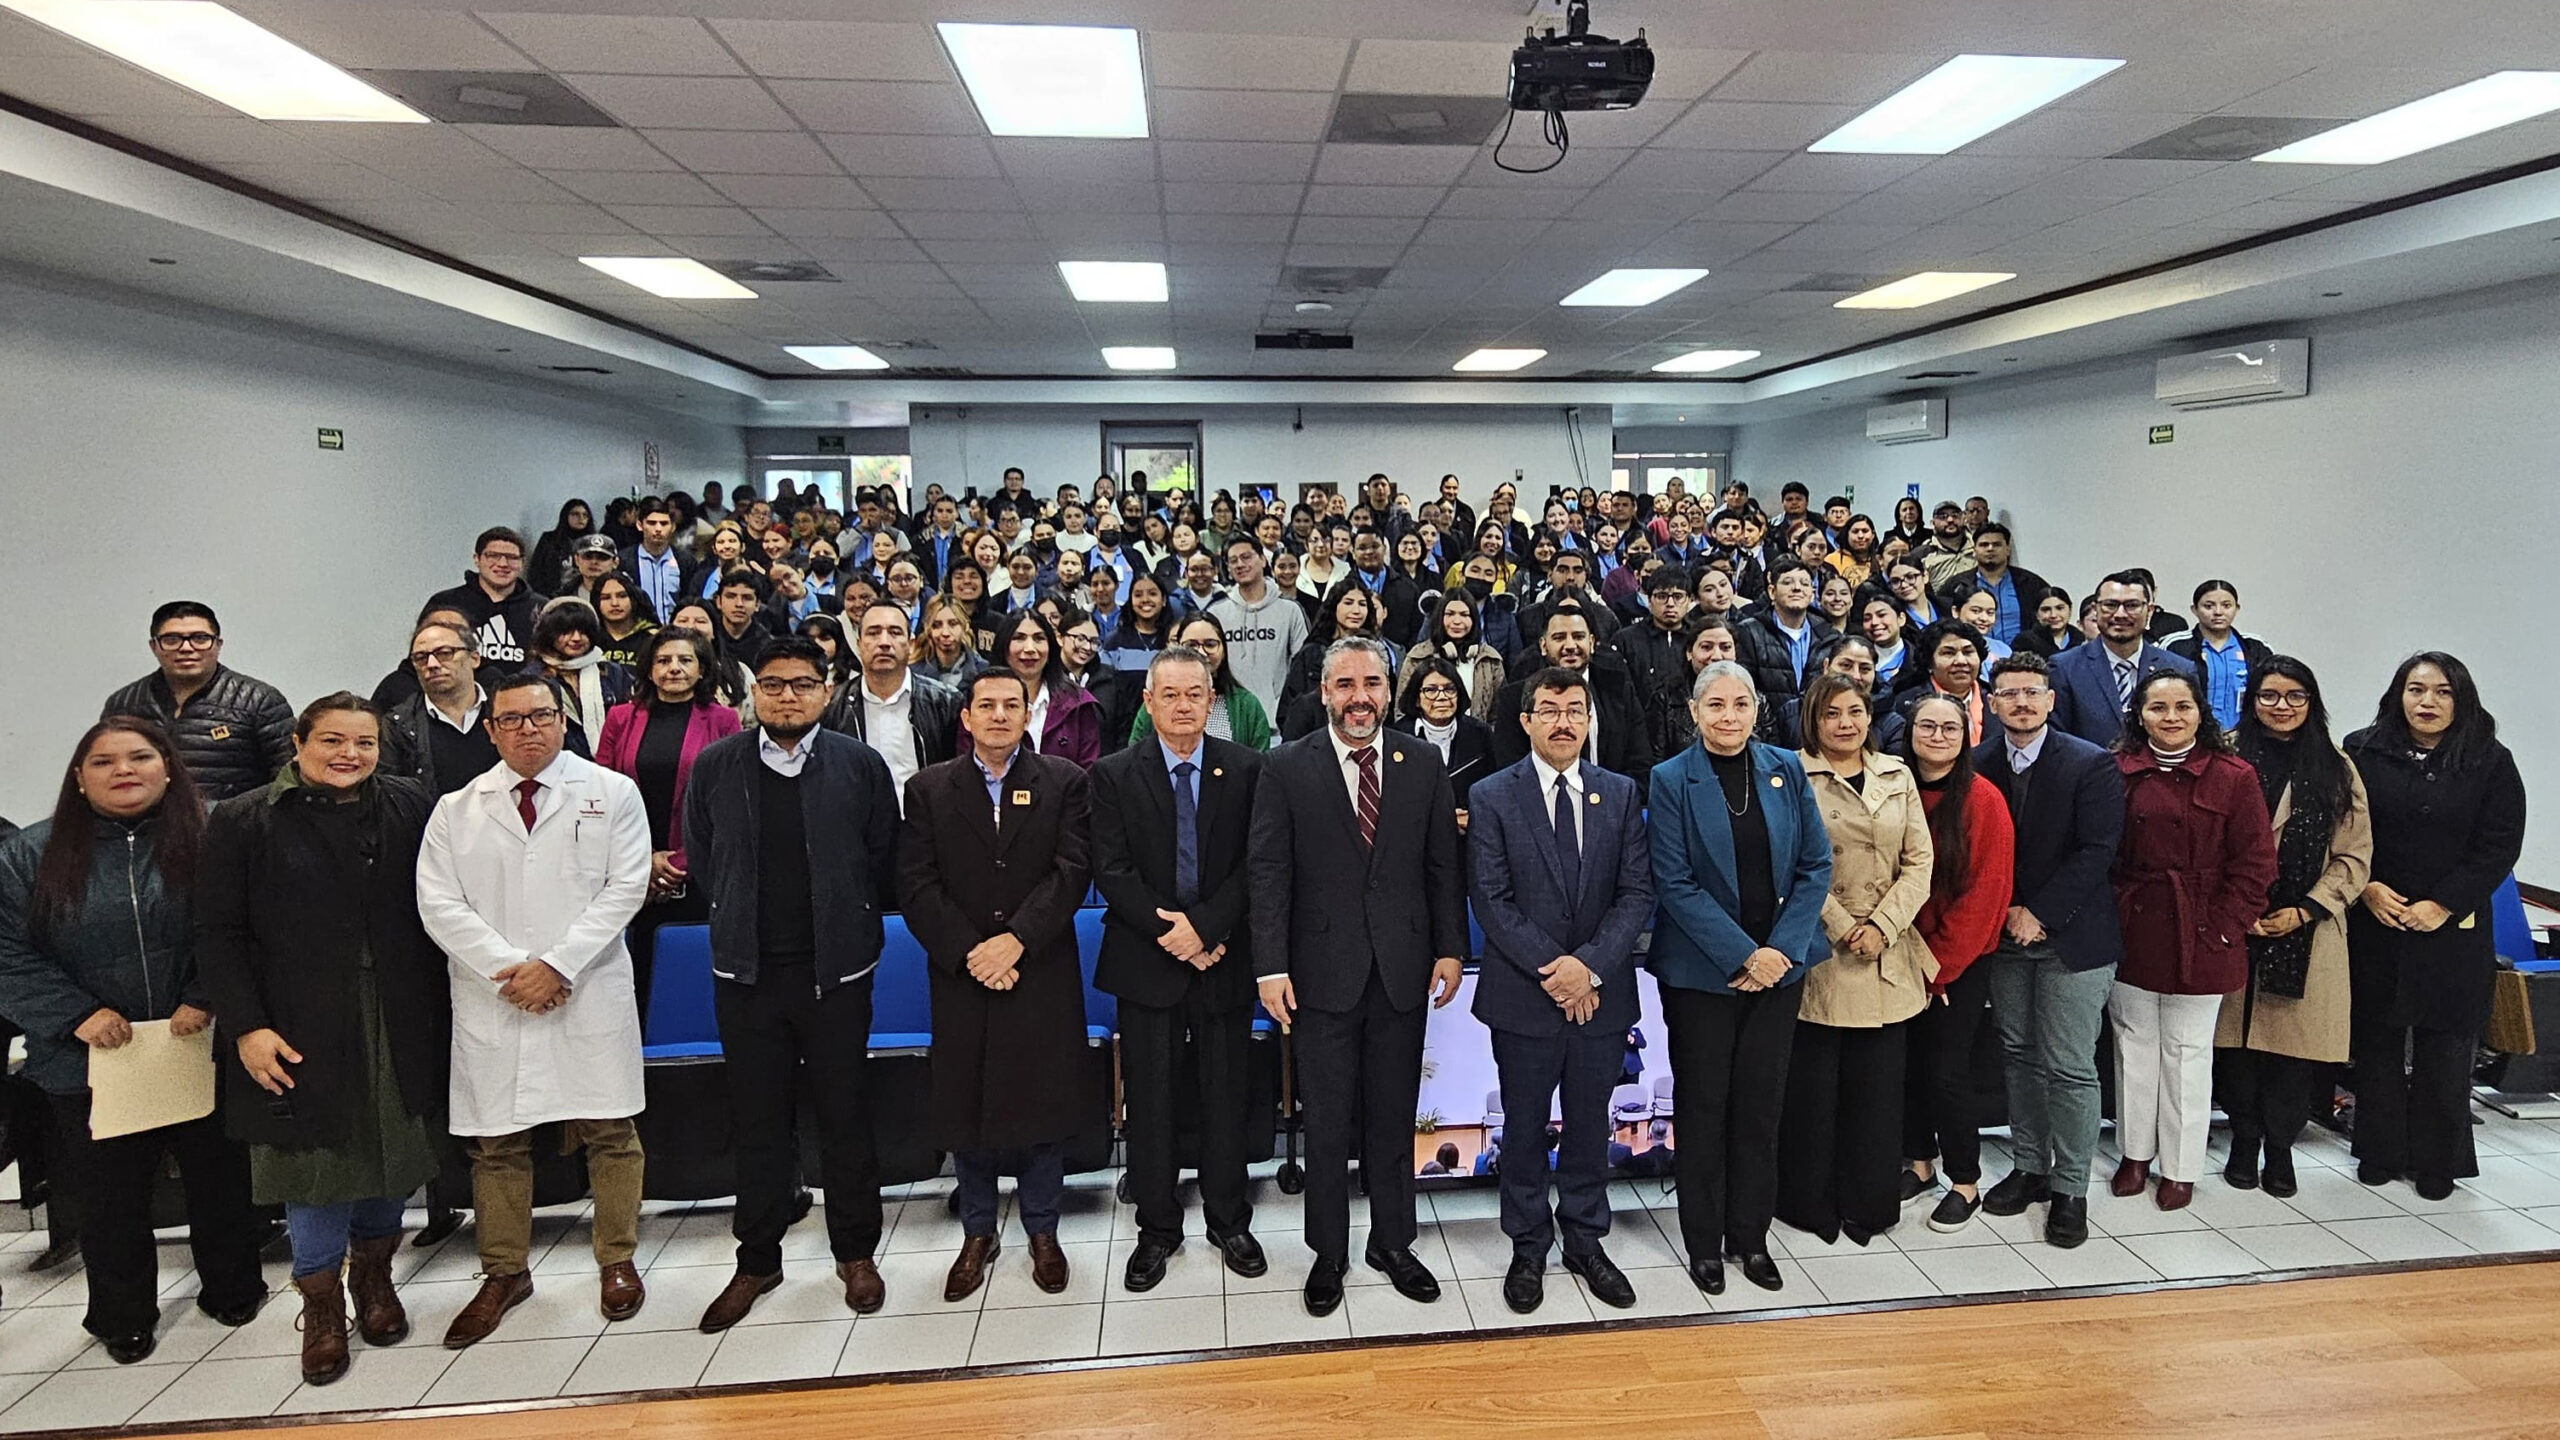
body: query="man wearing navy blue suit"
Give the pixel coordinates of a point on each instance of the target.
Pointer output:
(1562, 879)
(2092, 684)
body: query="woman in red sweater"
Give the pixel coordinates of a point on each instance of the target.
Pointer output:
(1968, 893)
(2191, 877)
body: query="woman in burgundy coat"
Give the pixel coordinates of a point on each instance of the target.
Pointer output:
(2191, 877)
(674, 711)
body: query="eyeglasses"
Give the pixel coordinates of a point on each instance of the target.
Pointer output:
(2123, 606)
(2284, 700)
(501, 557)
(777, 687)
(2018, 694)
(441, 655)
(525, 719)
(189, 641)
(1940, 729)
(1438, 692)
(1550, 715)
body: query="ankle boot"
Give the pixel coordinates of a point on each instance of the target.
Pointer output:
(323, 1326)
(379, 1318)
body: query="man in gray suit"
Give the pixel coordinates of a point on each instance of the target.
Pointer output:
(1562, 878)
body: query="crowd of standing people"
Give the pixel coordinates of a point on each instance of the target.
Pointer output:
(1866, 787)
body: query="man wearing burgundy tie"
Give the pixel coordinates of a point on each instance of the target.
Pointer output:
(1359, 917)
(526, 879)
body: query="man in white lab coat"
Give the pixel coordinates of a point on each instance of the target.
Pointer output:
(526, 879)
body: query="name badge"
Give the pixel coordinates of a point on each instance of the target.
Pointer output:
(1021, 797)
(219, 732)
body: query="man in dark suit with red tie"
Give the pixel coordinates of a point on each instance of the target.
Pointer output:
(1169, 826)
(1360, 918)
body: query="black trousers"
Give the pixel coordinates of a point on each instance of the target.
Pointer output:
(774, 1033)
(1729, 1072)
(2413, 1098)
(1585, 1064)
(1360, 1070)
(1839, 1145)
(114, 1180)
(1939, 1121)
(2267, 1096)
(1151, 1075)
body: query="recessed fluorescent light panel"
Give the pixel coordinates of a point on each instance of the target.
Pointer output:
(216, 53)
(1699, 362)
(1114, 279)
(837, 357)
(1926, 288)
(2440, 119)
(1138, 357)
(1499, 359)
(669, 279)
(1960, 102)
(1633, 287)
(1077, 81)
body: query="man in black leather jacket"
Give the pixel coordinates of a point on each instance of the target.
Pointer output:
(233, 732)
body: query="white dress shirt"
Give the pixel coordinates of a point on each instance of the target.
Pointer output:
(1351, 768)
(787, 763)
(1549, 778)
(885, 728)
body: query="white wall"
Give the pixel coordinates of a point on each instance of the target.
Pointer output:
(1245, 445)
(2403, 505)
(147, 456)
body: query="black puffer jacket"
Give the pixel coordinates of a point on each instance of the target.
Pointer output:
(234, 734)
(126, 949)
(1761, 648)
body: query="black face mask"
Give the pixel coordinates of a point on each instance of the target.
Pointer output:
(822, 566)
(1479, 588)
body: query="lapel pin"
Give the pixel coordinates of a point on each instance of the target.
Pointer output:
(1595, 797)
(1220, 772)
(1777, 782)
(1021, 797)
(1396, 755)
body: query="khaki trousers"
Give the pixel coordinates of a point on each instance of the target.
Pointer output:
(502, 1191)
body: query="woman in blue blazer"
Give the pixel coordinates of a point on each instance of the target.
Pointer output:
(1741, 864)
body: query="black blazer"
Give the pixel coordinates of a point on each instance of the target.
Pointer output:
(1626, 724)
(1132, 796)
(1470, 752)
(1330, 915)
(2069, 811)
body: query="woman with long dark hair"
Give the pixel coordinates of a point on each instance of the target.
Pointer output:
(548, 570)
(2448, 812)
(1910, 525)
(1432, 705)
(1973, 845)
(1237, 715)
(1350, 608)
(674, 712)
(726, 675)
(568, 643)
(2284, 1030)
(95, 939)
(2055, 627)
(1453, 634)
(627, 622)
(2191, 877)
(1065, 721)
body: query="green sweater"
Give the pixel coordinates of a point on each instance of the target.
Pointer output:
(1247, 725)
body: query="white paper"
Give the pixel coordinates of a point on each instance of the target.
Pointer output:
(152, 1080)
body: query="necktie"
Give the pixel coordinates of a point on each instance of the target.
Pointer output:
(524, 802)
(2124, 683)
(1186, 836)
(1367, 755)
(1568, 841)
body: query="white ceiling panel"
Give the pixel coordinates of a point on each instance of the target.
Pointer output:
(1685, 73)
(929, 157)
(1234, 161)
(927, 194)
(616, 44)
(1717, 125)
(1430, 67)
(386, 37)
(1076, 160)
(1184, 60)
(684, 102)
(2077, 134)
(673, 220)
(1206, 197)
(745, 152)
(1354, 230)
(570, 147)
(1079, 234)
(38, 69)
(1227, 229)
(854, 107)
(1837, 174)
(1789, 207)
(1831, 78)
(966, 224)
(1088, 197)
(1372, 199)
(638, 187)
(836, 49)
(792, 192)
(1392, 164)
(1299, 115)
(1493, 202)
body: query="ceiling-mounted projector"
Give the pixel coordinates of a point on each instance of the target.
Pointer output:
(1579, 70)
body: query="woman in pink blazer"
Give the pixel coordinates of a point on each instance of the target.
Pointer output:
(653, 738)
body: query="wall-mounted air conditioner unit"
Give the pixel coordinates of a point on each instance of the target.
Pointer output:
(2234, 375)
(1906, 421)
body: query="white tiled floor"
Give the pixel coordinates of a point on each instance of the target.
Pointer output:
(52, 1375)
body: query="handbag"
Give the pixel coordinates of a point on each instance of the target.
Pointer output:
(2510, 1030)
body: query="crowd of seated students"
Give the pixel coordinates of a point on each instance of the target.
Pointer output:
(1867, 787)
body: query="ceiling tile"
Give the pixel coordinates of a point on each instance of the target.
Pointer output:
(1582, 167)
(2348, 92)
(1355, 230)
(864, 249)
(1758, 206)
(1824, 238)
(670, 220)
(1981, 174)
(1391, 164)
(1702, 171)
(1682, 73)
(1430, 67)
(1716, 125)
(1492, 202)
(745, 152)
(1069, 231)
(1088, 197)
(2084, 134)
(669, 102)
(1204, 197)
(1838, 174)
(935, 157)
(1414, 200)
(1827, 78)
(1233, 161)
(616, 44)
(1095, 160)
(798, 192)
(1493, 234)
(382, 37)
(1240, 114)
(988, 252)
(637, 187)
(883, 108)
(512, 186)
(966, 225)
(549, 219)
(1227, 229)
(836, 49)
(570, 147)
(919, 194)
(1183, 60)
(1905, 207)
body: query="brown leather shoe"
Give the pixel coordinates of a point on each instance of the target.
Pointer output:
(379, 1316)
(323, 1326)
(970, 1270)
(1048, 1264)
(2174, 1194)
(2131, 1176)
(737, 1298)
(498, 1295)
(619, 1291)
(863, 1288)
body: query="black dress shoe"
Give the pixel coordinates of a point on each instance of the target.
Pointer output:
(235, 1316)
(2375, 1173)
(1762, 1271)
(59, 1253)
(2013, 1195)
(1608, 1284)
(1855, 1233)
(2277, 1177)
(1146, 1264)
(131, 1349)
(1410, 1276)
(442, 1221)
(1324, 1288)
(801, 1203)
(1244, 1254)
(2240, 1172)
(1953, 1212)
(2066, 1224)
(1707, 1275)
(2434, 1187)
(1526, 1286)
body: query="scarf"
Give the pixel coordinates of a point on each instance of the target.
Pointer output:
(587, 691)
(2281, 964)
(1438, 735)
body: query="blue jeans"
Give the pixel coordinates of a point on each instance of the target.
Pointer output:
(1042, 1176)
(2049, 1017)
(320, 1232)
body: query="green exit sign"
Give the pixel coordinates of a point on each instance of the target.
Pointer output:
(2163, 434)
(333, 439)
